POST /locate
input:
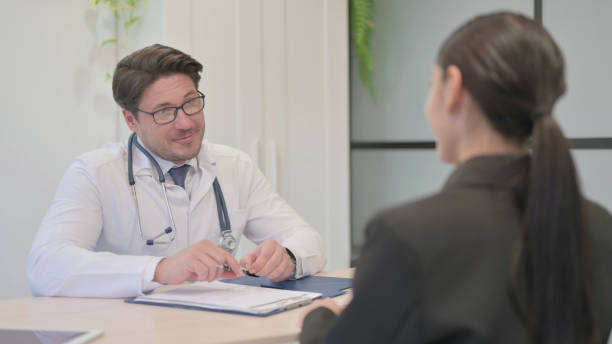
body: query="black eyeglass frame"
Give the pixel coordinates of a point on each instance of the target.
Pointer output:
(176, 108)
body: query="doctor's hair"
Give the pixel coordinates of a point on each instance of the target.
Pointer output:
(514, 70)
(137, 71)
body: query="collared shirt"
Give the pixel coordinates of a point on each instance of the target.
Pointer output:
(165, 165)
(89, 243)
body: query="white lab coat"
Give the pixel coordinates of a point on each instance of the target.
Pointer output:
(89, 244)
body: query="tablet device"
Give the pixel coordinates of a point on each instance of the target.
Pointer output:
(44, 336)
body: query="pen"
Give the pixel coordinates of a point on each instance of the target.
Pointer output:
(244, 270)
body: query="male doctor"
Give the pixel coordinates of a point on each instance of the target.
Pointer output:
(104, 237)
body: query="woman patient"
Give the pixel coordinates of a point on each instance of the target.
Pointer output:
(509, 251)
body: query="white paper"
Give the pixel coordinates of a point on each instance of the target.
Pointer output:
(232, 297)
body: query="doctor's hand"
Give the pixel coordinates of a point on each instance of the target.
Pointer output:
(197, 262)
(269, 260)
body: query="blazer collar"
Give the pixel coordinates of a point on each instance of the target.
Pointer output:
(491, 171)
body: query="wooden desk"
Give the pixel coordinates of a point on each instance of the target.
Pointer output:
(123, 322)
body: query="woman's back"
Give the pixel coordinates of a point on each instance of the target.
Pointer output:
(439, 270)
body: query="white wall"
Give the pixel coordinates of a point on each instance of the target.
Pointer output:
(405, 42)
(56, 105)
(582, 29)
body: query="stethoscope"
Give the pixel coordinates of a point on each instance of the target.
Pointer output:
(227, 241)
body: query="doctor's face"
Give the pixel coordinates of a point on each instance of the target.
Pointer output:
(176, 141)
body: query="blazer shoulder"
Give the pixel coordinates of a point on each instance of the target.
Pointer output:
(418, 212)
(597, 210)
(411, 215)
(451, 219)
(599, 221)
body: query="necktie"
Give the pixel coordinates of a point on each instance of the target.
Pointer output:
(178, 174)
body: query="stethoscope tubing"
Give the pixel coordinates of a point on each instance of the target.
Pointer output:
(162, 181)
(222, 213)
(224, 221)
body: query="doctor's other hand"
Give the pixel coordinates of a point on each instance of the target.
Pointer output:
(269, 260)
(198, 262)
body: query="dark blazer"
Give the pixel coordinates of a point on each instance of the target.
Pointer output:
(437, 270)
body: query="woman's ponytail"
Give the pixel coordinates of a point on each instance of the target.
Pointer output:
(555, 242)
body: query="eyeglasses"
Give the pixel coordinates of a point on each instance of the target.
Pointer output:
(167, 115)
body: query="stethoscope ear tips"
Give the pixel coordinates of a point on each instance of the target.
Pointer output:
(150, 242)
(168, 230)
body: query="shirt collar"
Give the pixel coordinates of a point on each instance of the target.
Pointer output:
(492, 171)
(142, 164)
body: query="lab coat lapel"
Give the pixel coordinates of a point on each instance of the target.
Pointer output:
(142, 164)
(208, 167)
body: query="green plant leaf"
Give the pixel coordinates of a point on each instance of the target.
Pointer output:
(123, 11)
(112, 6)
(108, 41)
(131, 22)
(361, 31)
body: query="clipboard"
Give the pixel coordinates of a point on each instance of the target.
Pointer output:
(224, 297)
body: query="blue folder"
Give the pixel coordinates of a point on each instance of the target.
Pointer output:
(328, 286)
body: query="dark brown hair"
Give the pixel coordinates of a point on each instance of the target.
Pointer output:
(514, 70)
(135, 72)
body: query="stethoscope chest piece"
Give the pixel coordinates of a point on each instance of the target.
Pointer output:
(228, 242)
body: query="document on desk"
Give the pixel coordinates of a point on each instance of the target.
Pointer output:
(227, 297)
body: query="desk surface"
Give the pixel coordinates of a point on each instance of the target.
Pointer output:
(123, 322)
